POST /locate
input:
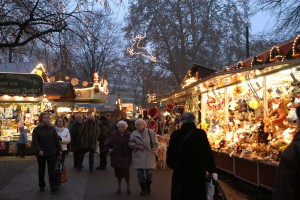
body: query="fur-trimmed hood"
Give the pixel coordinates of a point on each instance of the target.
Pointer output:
(40, 124)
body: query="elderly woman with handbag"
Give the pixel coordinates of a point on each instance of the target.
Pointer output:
(144, 143)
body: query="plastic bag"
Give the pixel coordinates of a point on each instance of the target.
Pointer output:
(210, 189)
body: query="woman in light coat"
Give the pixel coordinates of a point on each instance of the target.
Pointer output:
(64, 135)
(144, 143)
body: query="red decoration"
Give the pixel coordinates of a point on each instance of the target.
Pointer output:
(170, 106)
(153, 112)
(153, 125)
(145, 113)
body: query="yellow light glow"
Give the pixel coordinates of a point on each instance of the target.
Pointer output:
(6, 97)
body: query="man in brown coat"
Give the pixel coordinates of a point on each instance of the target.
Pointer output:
(88, 135)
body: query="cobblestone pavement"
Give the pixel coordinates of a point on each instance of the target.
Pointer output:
(19, 181)
(12, 166)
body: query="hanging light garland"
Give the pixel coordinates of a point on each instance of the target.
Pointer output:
(74, 81)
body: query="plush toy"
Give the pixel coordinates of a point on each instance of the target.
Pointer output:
(281, 111)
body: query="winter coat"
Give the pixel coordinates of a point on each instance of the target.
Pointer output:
(23, 139)
(287, 179)
(88, 135)
(189, 162)
(45, 138)
(74, 131)
(104, 133)
(64, 134)
(145, 159)
(120, 157)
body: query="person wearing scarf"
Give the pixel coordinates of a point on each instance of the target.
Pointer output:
(64, 135)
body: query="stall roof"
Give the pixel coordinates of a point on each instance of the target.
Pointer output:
(59, 91)
(108, 107)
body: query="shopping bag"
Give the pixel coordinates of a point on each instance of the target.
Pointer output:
(64, 175)
(219, 192)
(210, 189)
(59, 166)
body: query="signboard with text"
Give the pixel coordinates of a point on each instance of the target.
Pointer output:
(21, 84)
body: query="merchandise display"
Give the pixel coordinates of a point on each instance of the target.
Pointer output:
(11, 115)
(254, 118)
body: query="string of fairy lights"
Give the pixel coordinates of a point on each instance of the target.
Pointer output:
(136, 49)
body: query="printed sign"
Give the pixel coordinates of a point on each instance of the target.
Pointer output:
(21, 84)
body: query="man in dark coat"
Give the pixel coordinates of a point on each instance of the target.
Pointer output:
(104, 132)
(74, 131)
(287, 180)
(190, 156)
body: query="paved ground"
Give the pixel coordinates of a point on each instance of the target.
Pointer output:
(18, 181)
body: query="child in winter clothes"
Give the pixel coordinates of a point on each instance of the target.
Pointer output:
(23, 139)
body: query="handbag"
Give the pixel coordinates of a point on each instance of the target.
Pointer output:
(64, 175)
(151, 144)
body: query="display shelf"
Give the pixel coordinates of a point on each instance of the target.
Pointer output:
(267, 174)
(256, 172)
(224, 161)
(246, 169)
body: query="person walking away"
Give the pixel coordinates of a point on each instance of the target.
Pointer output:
(63, 134)
(88, 135)
(124, 118)
(287, 181)
(69, 124)
(104, 133)
(190, 156)
(22, 141)
(46, 142)
(144, 143)
(110, 122)
(120, 154)
(74, 131)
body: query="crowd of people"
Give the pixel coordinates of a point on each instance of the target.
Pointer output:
(124, 140)
(188, 154)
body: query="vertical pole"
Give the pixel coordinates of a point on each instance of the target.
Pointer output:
(247, 41)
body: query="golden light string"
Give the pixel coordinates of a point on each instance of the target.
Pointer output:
(74, 81)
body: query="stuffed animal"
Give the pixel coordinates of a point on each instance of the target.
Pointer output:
(282, 113)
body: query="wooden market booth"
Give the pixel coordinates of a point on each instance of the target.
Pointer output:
(237, 106)
(21, 95)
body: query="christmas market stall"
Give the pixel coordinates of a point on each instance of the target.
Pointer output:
(92, 96)
(59, 97)
(21, 95)
(248, 111)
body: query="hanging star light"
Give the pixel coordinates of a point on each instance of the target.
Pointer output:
(137, 49)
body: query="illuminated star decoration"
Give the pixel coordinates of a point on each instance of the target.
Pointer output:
(137, 49)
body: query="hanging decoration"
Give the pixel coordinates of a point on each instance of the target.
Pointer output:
(52, 78)
(137, 49)
(67, 78)
(85, 83)
(74, 81)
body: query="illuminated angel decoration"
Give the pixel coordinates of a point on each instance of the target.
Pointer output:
(137, 49)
